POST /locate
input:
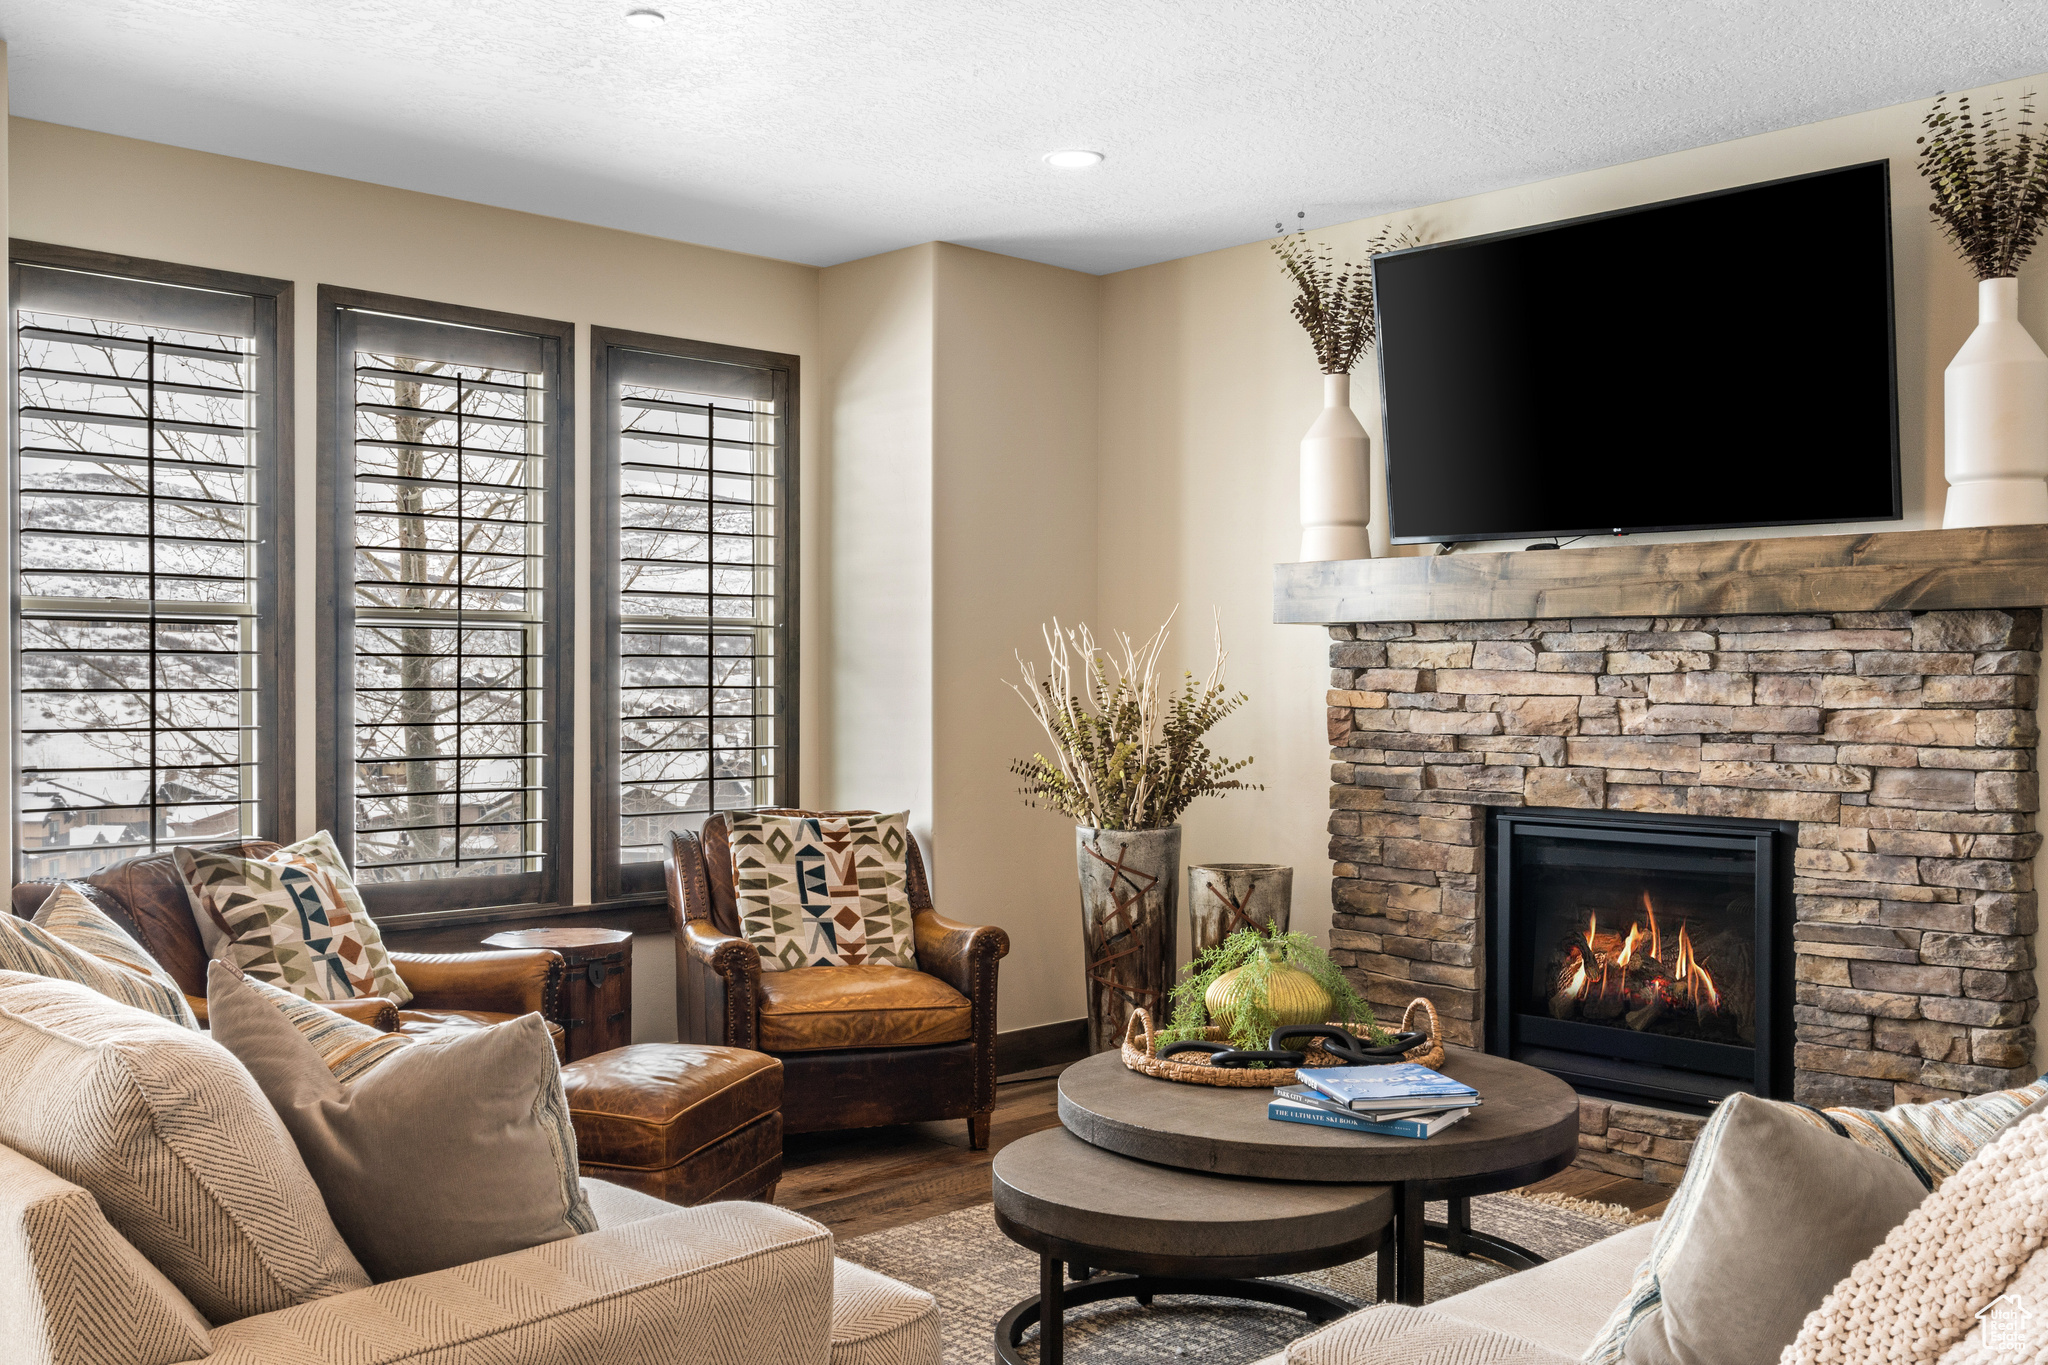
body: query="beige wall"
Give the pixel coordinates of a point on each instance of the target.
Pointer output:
(875, 347)
(959, 408)
(1014, 533)
(1208, 385)
(90, 190)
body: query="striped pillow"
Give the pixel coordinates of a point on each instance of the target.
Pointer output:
(347, 1049)
(1931, 1140)
(71, 940)
(1934, 1139)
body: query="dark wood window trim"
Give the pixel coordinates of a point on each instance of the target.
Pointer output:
(432, 901)
(612, 885)
(276, 600)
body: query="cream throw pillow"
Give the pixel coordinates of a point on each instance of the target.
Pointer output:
(442, 1153)
(824, 891)
(293, 918)
(71, 939)
(182, 1152)
(1771, 1213)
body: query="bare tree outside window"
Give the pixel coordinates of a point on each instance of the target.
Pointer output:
(697, 611)
(136, 487)
(449, 482)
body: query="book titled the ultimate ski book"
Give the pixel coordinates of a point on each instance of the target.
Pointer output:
(1296, 1111)
(1385, 1087)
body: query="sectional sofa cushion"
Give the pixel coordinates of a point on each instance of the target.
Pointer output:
(1772, 1212)
(292, 918)
(70, 939)
(182, 1152)
(442, 1153)
(824, 890)
(72, 1290)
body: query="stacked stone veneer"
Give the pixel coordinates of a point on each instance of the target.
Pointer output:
(1903, 744)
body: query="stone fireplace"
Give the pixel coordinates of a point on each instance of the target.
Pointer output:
(1896, 748)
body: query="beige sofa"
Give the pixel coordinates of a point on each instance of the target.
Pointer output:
(728, 1283)
(1545, 1316)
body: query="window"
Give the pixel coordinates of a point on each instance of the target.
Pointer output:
(152, 463)
(693, 510)
(445, 472)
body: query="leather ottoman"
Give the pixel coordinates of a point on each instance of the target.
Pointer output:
(680, 1121)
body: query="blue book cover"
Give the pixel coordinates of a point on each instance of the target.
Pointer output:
(1383, 1087)
(1293, 1111)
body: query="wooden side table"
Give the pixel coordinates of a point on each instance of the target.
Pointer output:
(596, 1007)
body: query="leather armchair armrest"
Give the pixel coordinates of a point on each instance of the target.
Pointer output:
(951, 951)
(737, 964)
(374, 1010)
(507, 981)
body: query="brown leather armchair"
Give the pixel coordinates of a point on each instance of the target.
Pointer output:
(147, 897)
(860, 1046)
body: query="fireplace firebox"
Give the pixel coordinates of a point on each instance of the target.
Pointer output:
(1642, 956)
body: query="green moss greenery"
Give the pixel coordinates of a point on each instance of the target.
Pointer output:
(1254, 1020)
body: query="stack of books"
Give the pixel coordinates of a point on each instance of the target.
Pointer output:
(1402, 1100)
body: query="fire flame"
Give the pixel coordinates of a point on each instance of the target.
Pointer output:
(1628, 947)
(1699, 981)
(1656, 940)
(1578, 984)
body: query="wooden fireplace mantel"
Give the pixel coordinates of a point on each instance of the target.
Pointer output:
(1997, 566)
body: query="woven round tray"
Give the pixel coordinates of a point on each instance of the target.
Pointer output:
(1193, 1067)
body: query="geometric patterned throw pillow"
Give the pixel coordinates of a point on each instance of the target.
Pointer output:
(71, 940)
(292, 919)
(824, 891)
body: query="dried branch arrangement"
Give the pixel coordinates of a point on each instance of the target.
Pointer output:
(1989, 174)
(1334, 302)
(1124, 756)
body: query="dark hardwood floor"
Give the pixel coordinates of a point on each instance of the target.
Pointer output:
(871, 1179)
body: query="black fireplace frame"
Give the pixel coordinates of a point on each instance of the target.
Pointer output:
(1627, 1070)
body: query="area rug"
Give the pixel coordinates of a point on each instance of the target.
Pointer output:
(977, 1275)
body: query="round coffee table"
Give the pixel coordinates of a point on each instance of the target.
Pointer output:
(1174, 1231)
(1526, 1128)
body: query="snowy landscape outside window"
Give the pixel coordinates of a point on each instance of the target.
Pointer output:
(449, 479)
(444, 465)
(700, 649)
(140, 665)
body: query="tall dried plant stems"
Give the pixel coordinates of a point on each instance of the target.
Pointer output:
(1333, 300)
(1124, 756)
(1989, 175)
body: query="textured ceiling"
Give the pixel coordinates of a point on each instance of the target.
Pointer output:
(824, 132)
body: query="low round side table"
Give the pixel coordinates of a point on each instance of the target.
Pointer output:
(596, 1006)
(1174, 1231)
(1526, 1128)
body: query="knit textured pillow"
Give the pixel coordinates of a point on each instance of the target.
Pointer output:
(1931, 1289)
(824, 891)
(71, 940)
(293, 919)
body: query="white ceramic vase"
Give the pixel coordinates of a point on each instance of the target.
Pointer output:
(1995, 425)
(1336, 493)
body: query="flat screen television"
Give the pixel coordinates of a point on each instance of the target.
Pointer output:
(1721, 360)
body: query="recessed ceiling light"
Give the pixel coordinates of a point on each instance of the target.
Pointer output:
(1073, 160)
(646, 18)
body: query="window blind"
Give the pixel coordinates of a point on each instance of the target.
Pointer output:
(699, 643)
(137, 490)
